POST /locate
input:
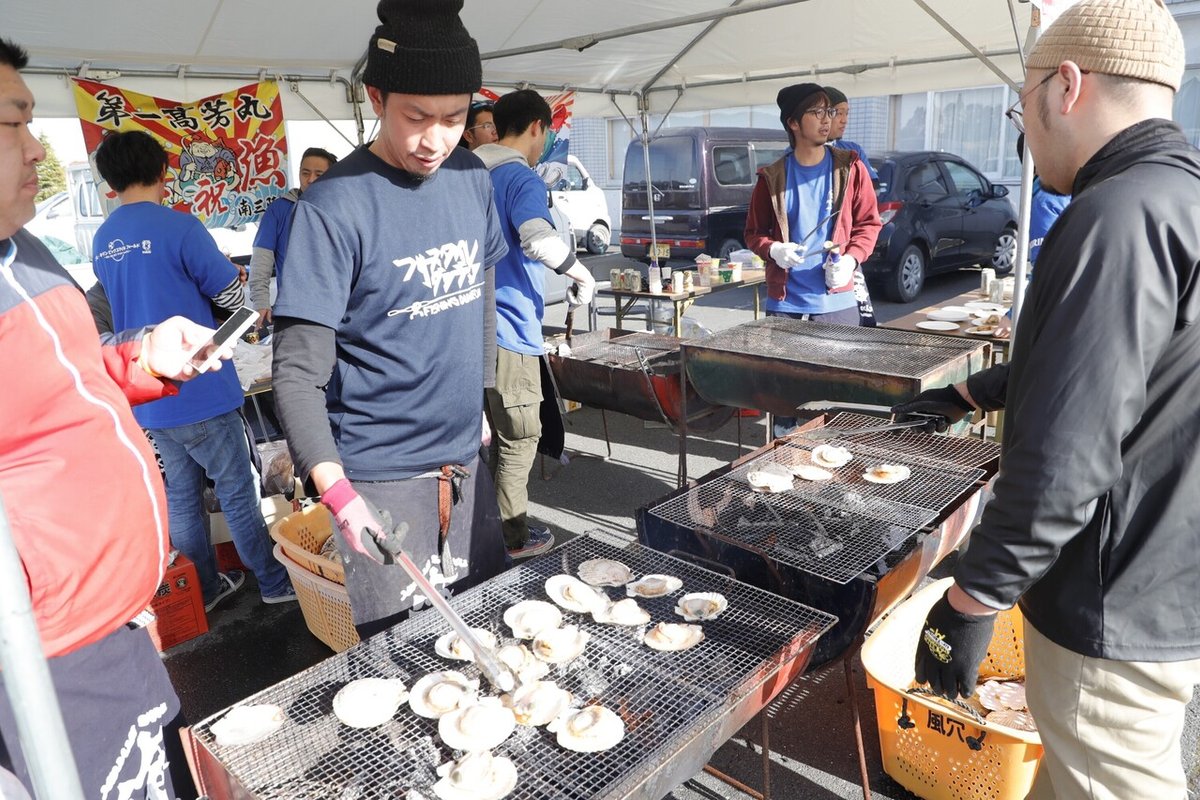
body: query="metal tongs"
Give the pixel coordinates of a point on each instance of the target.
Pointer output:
(926, 422)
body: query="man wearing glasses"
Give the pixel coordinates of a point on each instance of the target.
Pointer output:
(481, 126)
(1094, 528)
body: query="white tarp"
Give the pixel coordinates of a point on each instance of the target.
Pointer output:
(865, 47)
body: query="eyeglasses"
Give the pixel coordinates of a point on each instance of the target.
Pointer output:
(1017, 116)
(487, 126)
(830, 113)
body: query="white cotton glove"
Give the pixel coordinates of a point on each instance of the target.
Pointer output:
(786, 254)
(839, 273)
(580, 293)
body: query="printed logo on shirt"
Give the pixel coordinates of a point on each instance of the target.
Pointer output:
(451, 273)
(141, 766)
(117, 249)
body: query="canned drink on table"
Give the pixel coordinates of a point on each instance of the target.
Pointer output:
(633, 280)
(677, 282)
(689, 281)
(616, 279)
(987, 276)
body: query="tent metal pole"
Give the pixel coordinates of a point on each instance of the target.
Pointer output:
(43, 737)
(1021, 269)
(686, 49)
(644, 115)
(950, 29)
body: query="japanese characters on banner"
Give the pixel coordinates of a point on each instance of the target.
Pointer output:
(227, 153)
(553, 164)
(1050, 9)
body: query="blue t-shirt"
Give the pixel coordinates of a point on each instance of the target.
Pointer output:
(846, 144)
(809, 198)
(274, 228)
(154, 263)
(396, 267)
(520, 281)
(1046, 207)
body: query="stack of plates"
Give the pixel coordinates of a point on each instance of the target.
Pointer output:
(950, 314)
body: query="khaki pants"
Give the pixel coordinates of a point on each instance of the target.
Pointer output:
(1111, 728)
(513, 409)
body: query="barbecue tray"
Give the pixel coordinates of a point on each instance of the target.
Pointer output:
(678, 707)
(845, 546)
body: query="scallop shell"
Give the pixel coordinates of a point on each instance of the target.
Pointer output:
(831, 456)
(247, 724)
(450, 646)
(999, 695)
(439, 693)
(622, 612)
(653, 586)
(700, 606)
(604, 572)
(560, 645)
(574, 595)
(1021, 720)
(522, 663)
(887, 473)
(673, 636)
(369, 702)
(538, 703)
(528, 618)
(477, 727)
(476, 776)
(770, 477)
(588, 730)
(809, 472)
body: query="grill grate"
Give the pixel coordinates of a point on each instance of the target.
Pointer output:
(836, 529)
(621, 352)
(664, 698)
(879, 351)
(938, 451)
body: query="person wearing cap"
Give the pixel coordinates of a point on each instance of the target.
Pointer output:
(481, 126)
(385, 326)
(1094, 527)
(837, 129)
(811, 196)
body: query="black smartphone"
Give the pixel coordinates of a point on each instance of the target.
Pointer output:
(208, 353)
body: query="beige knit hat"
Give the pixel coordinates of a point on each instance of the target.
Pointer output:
(1130, 38)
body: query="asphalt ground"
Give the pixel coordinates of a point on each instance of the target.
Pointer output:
(251, 646)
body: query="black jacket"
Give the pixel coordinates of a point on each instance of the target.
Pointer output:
(1095, 526)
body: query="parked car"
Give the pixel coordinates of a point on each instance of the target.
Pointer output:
(583, 202)
(701, 180)
(939, 213)
(54, 218)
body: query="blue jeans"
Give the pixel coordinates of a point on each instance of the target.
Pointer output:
(218, 447)
(782, 426)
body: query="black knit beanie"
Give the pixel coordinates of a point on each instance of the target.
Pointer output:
(836, 96)
(422, 47)
(791, 97)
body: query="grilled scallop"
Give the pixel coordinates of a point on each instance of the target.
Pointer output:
(604, 572)
(517, 659)
(588, 730)
(887, 473)
(700, 606)
(831, 456)
(369, 702)
(477, 727)
(247, 724)
(673, 636)
(770, 477)
(1000, 695)
(809, 472)
(528, 618)
(439, 693)
(560, 645)
(450, 646)
(1021, 720)
(574, 595)
(538, 703)
(476, 776)
(622, 612)
(653, 586)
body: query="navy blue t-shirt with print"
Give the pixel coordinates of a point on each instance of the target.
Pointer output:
(396, 267)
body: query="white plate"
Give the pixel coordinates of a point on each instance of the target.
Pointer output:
(982, 330)
(982, 305)
(937, 325)
(950, 314)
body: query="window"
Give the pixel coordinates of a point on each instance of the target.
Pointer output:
(574, 178)
(910, 121)
(767, 153)
(926, 179)
(970, 123)
(965, 179)
(731, 165)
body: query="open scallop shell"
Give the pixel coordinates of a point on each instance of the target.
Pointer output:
(700, 606)
(574, 595)
(831, 456)
(673, 636)
(588, 730)
(476, 776)
(439, 693)
(604, 572)
(247, 724)
(560, 645)
(538, 703)
(521, 663)
(528, 618)
(887, 473)
(450, 646)
(622, 612)
(1021, 720)
(369, 702)
(477, 727)
(810, 472)
(1000, 695)
(653, 586)
(770, 477)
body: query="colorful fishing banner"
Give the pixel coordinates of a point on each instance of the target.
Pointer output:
(559, 141)
(227, 153)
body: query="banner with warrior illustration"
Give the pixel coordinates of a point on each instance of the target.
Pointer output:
(552, 165)
(227, 154)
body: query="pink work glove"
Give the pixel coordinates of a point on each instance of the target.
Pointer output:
(365, 528)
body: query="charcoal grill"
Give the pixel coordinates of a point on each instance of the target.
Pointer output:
(678, 707)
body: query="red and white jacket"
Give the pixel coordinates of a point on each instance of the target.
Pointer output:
(78, 478)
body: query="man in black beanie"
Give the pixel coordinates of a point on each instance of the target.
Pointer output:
(837, 129)
(385, 325)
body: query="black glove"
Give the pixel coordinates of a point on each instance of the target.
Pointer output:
(951, 647)
(945, 403)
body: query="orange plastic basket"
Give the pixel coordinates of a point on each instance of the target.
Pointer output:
(931, 747)
(302, 534)
(324, 604)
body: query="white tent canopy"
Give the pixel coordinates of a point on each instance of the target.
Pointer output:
(695, 54)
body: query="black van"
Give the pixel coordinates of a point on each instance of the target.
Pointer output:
(702, 179)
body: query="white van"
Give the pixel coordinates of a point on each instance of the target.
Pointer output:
(578, 196)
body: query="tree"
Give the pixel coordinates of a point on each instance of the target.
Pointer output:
(52, 178)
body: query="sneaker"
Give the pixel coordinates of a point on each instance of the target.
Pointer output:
(288, 595)
(540, 540)
(230, 582)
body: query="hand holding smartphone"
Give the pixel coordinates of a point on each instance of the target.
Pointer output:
(209, 353)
